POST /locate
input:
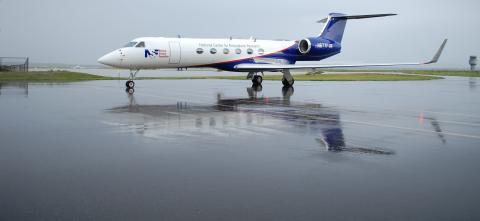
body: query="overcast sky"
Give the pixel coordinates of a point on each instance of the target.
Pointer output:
(78, 32)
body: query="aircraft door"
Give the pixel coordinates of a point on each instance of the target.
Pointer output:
(175, 52)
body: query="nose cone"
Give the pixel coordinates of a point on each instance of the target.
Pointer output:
(111, 59)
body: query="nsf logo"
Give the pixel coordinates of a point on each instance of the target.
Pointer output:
(152, 53)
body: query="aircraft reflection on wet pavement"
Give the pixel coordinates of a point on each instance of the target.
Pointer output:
(435, 126)
(253, 115)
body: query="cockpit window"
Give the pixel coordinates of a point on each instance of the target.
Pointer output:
(130, 44)
(141, 44)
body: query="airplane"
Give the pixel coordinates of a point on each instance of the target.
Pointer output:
(242, 55)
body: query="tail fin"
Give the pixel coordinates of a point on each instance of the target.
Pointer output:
(336, 22)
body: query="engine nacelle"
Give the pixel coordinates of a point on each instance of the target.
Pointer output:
(316, 48)
(304, 46)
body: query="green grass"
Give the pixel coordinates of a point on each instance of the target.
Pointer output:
(446, 73)
(420, 72)
(51, 76)
(66, 76)
(321, 77)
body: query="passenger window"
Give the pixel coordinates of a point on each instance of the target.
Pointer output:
(199, 50)
(141, 45)
(261, 51)
(213, 51)
(249, 51)
(226, 51)
(238, 51)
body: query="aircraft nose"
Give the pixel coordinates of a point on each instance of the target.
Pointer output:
(111, 59)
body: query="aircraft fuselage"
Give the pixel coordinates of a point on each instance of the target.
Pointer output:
(224, 54)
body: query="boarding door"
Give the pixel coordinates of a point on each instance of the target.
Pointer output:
(175, 53)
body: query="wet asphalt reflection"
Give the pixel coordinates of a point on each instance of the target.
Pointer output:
(219, 149)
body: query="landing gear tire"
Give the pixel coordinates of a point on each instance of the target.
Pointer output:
(130, 84)
(130, 90)
(257, 80)
(286, 83)
(257, 87)
(287, 91)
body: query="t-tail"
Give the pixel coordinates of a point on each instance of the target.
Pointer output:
(336, 22)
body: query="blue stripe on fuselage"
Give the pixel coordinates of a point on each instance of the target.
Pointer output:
(290, 55)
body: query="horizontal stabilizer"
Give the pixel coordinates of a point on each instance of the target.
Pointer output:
(341, 16)
(335, 24)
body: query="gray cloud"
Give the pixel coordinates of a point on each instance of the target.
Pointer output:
(78, 32)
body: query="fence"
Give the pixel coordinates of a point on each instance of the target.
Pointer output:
(14, 64)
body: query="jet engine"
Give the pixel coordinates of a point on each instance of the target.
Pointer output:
(304, 46)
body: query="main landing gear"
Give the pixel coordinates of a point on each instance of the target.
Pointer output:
(130, 84)
(287, 79)
(257, 79)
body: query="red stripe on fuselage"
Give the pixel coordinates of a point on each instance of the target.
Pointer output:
(237, 60)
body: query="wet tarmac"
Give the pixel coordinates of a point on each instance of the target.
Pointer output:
(222, 150)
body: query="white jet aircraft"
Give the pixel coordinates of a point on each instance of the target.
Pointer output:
(241, 55)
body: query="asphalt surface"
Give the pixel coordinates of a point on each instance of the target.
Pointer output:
(222, 150)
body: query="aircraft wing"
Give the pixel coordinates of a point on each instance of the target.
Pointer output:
(272, 67)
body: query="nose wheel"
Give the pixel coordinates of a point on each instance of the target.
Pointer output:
(130, 84)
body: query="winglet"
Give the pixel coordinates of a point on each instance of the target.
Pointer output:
(439, 52)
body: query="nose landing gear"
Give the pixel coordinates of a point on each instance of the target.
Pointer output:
(130, 84)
